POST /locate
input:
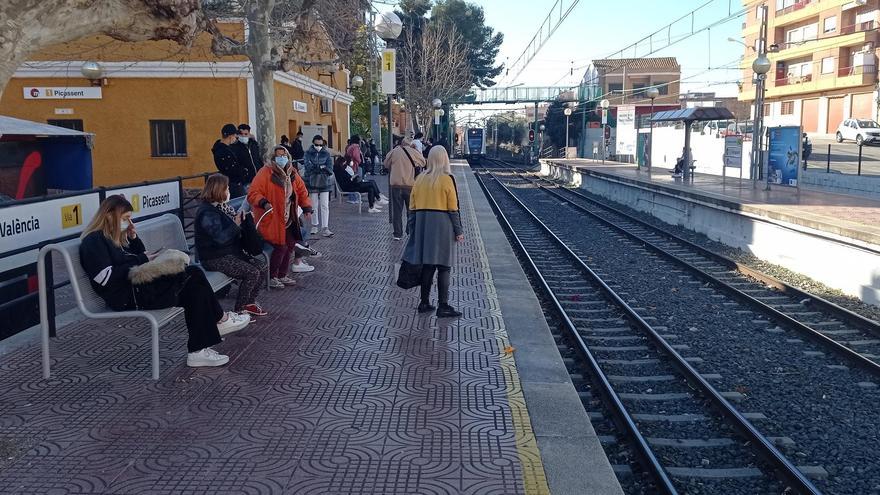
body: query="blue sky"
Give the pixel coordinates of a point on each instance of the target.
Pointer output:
(596, 29)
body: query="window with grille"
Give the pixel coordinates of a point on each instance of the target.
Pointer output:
(168, 138)
(615, 88)
(72, 124)
(787, 108)
(326, 105)
(766, 109)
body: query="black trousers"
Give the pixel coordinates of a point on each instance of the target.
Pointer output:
(443, 273)
(201, 310)
(369, 187)
(399, 208)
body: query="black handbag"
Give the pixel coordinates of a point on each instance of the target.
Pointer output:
(409, 275)
(251, 240)
(162, 292)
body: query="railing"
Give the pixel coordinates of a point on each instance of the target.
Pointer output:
(791, 8)
(785, 81)
(75, 208)
(857, 28)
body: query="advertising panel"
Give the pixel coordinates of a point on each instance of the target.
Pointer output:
(784, 155)
(626, 130)
(151, 199)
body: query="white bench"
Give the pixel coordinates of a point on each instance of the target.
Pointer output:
(340, 193)
(165, 231)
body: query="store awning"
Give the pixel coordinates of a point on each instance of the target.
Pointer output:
(695, 114)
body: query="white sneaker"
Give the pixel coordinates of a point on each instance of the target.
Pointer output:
(374, 210)
(302, 268)
(314, 231)
(234, 322)
(206, 357)
(287, 281)
(326, 233)
(382, 202)
(274, 283)
(383, 198)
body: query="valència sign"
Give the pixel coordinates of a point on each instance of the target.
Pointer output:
(62, 93)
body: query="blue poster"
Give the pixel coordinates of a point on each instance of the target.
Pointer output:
(784, 155)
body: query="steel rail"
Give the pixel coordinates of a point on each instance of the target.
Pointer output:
(764, 447)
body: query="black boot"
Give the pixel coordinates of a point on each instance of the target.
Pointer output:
(425, 307)
(447, 311)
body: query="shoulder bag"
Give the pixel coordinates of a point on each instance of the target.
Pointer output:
(416, 168)
(409, 275)
(156, 284)
(251, 240)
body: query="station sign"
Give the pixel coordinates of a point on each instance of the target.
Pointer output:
(34, 223)
(62, 93)
(389, 71)
(300, 106)
(151, 199)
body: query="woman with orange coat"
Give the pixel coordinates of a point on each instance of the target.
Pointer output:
(276, 192)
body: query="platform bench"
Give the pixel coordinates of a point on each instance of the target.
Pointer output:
(165, 231)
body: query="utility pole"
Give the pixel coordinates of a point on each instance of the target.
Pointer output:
(535, 125)
(760, 66)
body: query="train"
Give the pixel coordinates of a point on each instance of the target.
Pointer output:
(473, 146)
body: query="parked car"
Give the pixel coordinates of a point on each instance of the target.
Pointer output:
(859, 130)
(714, 127)
(743, 129)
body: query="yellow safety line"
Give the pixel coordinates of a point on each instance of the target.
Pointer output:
(534, 477)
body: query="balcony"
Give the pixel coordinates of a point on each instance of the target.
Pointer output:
(798, 12)
(807, 48)
(845, 77)
(856, 28)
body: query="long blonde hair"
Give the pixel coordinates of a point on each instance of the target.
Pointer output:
(438, 166)
(108, 219)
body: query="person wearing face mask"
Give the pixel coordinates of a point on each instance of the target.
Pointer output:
(275, 194)
(319, 177)
(247, 155)
(110, 248)
(218, 242)
(229, 160)
(246, 137)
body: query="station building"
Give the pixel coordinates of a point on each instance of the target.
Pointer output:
(158, 108)
(824, 62)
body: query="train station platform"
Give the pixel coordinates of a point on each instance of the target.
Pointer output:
(824, 235)
(344, 388)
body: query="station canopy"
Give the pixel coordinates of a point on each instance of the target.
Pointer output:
(695, 114)
(10, 126)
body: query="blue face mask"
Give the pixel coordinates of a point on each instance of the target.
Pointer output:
(282, 161)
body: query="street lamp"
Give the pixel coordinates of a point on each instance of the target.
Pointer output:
(356, 82)
(436, 103)
(93, 72)
(541, 145)
(567, 113)
(761, 66)
(604, 104)
(651, 93)
(388, 26)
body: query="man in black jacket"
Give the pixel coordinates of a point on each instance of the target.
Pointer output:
(227, 161)
(296, 147)
(245, 137)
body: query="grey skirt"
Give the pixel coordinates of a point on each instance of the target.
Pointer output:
(431, 237)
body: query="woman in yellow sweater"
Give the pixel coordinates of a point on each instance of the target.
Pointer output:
(434, 225)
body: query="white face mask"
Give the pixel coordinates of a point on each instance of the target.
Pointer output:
(124, 225)
(318, 148)
(228, 196)
(244, 139)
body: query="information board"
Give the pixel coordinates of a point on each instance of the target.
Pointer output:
(784, 155)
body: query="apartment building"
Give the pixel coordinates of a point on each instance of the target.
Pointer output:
(824, 61)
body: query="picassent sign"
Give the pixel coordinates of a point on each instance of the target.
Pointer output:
(34, 223)
(151, 199)
(62, 93)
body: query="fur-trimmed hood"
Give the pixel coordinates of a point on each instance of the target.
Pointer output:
(169, 262)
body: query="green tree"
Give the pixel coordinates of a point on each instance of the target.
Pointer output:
(554, 120)
(481, 40)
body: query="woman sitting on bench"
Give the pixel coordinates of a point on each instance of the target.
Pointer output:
(353, 184)
(111, 248)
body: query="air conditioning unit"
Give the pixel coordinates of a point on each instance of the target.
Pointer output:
(869, 46)
(861, 2)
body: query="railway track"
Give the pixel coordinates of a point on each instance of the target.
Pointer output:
(687, 435)
(849, 335)
(763, 322)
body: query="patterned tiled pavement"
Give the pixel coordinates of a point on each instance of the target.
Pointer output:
(344, 388)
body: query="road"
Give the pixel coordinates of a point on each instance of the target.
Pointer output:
(844, 157)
